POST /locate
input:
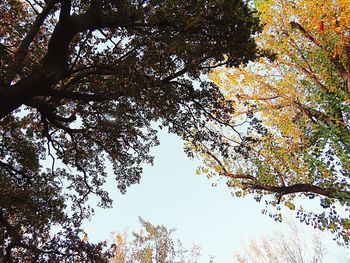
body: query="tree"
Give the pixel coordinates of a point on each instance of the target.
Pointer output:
(81, 82)
(290, 136)
(152, 244)
(287, 247)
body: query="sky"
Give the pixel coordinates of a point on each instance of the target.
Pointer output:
(172, 194)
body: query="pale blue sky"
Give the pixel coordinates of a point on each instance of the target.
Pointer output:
(171, 194)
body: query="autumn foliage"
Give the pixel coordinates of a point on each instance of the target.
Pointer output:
(290, 136)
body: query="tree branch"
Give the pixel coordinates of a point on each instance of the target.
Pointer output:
(297, 188)
(345, 75)
(66, 6)
(76, 96)
(24, 46)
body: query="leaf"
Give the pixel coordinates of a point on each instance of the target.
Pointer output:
(290, 205)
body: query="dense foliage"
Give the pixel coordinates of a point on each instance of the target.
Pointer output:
(291, 133)
(80, 83)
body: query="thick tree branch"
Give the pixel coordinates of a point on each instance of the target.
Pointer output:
(19, 93)
(55, 63)
(24, 46)
(297, 188)
(66, 6)
(45, 109)
(251, 182)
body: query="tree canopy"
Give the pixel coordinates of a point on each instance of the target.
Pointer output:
(152, 243)
(81, 82)
(290, 136)
(288, 246)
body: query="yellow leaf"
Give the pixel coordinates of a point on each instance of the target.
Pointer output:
(290, 205)
(337, 29)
